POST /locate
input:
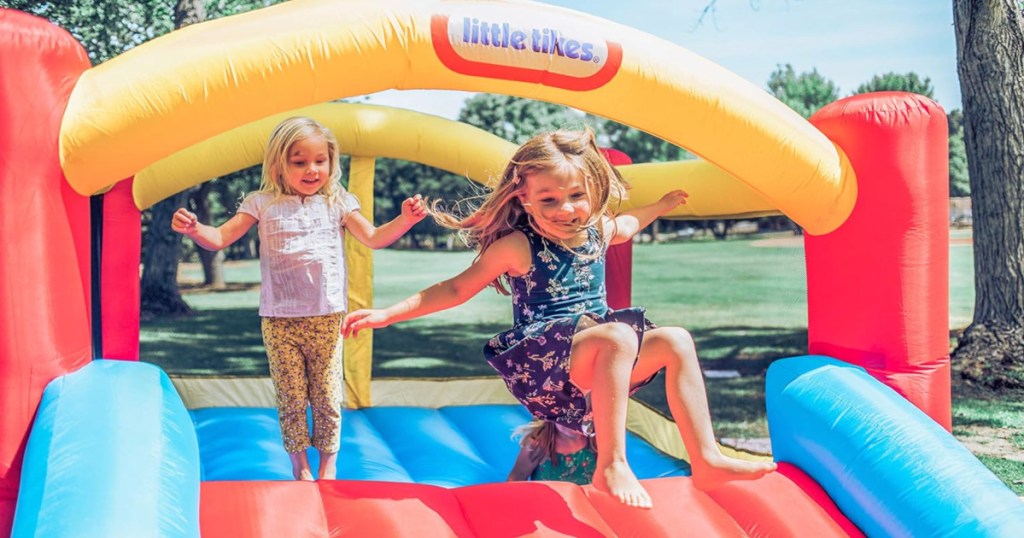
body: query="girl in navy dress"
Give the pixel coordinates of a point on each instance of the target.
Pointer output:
(542, 235)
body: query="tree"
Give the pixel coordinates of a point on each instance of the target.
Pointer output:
(517, 119)
(640, 146)
(912, 82)
(895, 82)
(105, 28)
(161, 251)
(395, 180)
(990, 60)
(959, 181)
(805, 93)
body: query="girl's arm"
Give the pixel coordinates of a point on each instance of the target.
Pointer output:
(625, 225)
(211, 237)
(413, 211)
(510, 254)
(530, 456)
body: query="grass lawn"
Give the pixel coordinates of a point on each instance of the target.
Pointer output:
(744, 303)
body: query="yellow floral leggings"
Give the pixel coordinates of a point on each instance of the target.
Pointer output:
(306, 366)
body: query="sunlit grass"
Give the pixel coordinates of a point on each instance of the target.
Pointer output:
(745, 306)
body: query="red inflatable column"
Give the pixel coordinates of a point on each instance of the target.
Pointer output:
(878, 287)
(44, 270)
(619, 272)
(119, 273)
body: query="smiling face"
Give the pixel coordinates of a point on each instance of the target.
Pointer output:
(559, 203)
(308, 166)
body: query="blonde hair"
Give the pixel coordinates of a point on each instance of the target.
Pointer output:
(558, 152)
(543, 434)
(287, 133)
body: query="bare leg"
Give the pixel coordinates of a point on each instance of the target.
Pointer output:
(300, 466)
(672, 348)
(328, 465)
(601, 360)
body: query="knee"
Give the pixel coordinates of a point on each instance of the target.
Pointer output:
(678, 340)
(620, 337)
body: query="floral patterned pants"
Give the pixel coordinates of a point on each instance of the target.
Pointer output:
(306, 366)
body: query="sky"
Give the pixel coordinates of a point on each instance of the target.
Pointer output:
(847, 41)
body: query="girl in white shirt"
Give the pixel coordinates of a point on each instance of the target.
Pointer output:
(303, 212)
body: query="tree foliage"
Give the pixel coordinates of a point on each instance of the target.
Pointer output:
(106, 28)
(516, 119)
(895, 82)
(805, 93)
(959, 180)
(640, 146)
(913, 83)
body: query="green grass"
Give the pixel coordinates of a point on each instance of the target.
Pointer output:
(744, 304)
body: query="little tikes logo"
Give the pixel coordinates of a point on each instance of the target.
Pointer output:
(553, 53)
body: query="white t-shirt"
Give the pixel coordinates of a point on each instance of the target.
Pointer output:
(302, 252)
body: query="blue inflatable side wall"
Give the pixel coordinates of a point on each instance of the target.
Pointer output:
(889, 467)
(112, 452)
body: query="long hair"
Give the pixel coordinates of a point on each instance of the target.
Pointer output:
(543, 434)
(287, 133)
(556, 152)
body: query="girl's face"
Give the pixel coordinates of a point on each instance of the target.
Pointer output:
(308, 167)
(558, 203)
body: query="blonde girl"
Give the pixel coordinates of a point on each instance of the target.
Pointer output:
(542, 235)
(303, 213)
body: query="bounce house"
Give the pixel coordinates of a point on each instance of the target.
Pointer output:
(94, 442)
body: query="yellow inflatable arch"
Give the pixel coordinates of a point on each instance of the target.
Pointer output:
(377, 131)
(197, 83)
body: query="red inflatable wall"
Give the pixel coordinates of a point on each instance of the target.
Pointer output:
(619, 264)
(119, 273)
(44, 258)
(780, 504)
(877, 287)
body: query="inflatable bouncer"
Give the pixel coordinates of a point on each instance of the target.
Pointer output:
(95, 443)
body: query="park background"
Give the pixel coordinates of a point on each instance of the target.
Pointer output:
(737, 285)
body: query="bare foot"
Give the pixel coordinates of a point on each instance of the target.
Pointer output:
(714, 473)
(300, 466)
(618, 479)
(328, 465)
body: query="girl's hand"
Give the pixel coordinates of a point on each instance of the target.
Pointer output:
(672, 199)
(363, 319)
(184, 221)
(414, 209)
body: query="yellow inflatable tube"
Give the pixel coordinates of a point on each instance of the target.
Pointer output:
(195, 83)
(362, 131)
(377, 131)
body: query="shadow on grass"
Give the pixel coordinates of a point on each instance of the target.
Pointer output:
(737, 403)
(430, 349)
(222, 342)
(227, 342)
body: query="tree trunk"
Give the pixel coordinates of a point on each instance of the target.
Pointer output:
(159, 287)
(213, 261)
(990, 60)
(720, 229)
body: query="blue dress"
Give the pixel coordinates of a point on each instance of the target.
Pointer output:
(561, 288)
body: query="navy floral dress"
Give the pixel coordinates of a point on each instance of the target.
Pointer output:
(549, 302)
